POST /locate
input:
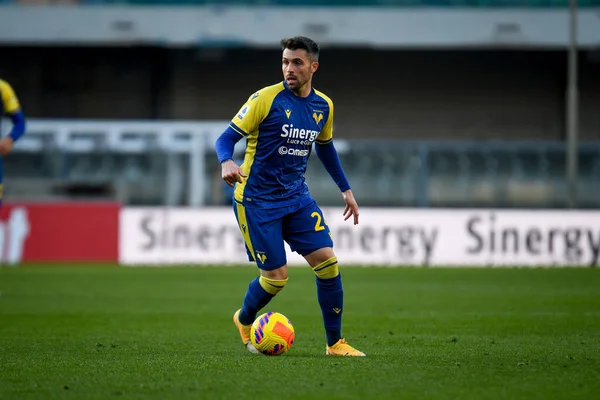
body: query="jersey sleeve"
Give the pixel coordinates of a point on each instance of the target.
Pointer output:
(9, 99)
(326, 134)
(252, 113)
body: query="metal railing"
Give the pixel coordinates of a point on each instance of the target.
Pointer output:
(173, 163)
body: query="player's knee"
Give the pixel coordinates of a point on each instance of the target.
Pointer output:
(272, 286)
(318, 256)
(327, 269)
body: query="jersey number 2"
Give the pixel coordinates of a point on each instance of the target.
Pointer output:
(318, 225)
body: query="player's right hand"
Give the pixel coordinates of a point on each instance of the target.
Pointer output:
(6, 144)
(232, 173)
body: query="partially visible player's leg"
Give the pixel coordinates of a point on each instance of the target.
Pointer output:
(330, 294)
(264, 244)
(308, 234)
(260, 292)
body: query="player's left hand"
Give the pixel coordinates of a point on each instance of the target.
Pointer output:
(351, 206)
(6, 145)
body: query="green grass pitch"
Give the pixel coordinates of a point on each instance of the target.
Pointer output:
(104, 332)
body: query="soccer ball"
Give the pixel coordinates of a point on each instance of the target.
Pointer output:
(272, 334)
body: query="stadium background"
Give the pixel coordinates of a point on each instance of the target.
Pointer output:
(452, 122)
(439, 106)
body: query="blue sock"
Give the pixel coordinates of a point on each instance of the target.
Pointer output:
(256, 298)
(331, 299)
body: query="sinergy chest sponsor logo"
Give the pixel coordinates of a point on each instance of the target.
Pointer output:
(288, 131)
(298, 136)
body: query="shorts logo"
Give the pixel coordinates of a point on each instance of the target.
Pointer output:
(285, 151)
(261, 256)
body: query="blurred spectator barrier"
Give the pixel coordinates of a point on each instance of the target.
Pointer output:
(173, 163)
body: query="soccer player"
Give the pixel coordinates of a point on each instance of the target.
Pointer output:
(272, 203)
(9, 106)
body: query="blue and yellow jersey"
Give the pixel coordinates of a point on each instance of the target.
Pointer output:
(280, 129)
(9, 104)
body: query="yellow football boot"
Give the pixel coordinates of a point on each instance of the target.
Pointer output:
(341, 348)
(244, 333)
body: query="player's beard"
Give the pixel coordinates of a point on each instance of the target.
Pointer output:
(300, 83)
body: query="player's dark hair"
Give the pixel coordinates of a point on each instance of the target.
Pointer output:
(301, 42)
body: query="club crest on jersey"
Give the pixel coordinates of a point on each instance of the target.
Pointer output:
(317, 116)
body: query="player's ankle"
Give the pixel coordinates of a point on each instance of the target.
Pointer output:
(333, 336)
(246, 318)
